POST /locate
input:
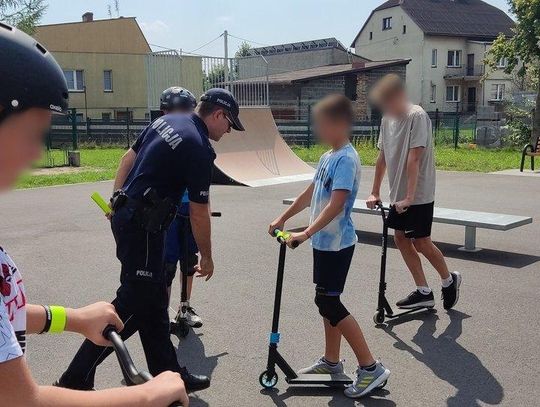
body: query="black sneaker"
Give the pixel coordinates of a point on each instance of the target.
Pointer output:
(194, 382)
(417, 300)
(450, 294)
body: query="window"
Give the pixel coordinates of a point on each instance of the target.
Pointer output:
(404, 29)
(497, 92)
(387, 23)
(452, 93)
(370, 35)
(106, 117)
(107, 81)
(433, 93)
(454, 59)
(502, 63)
(434, 58)
(74, 79)
(123, 115)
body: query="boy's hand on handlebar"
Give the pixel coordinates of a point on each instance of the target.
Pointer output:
(91, 320)
(372, 201)
(205, 268)
(296, 237)
(165, 389)
(277, 223)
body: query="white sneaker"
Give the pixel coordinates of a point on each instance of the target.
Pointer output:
(192, 318)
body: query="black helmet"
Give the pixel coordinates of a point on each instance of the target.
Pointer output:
(29, 74)
(177, 98)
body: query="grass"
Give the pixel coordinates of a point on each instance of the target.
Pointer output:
(97, 165)
(446, 158)
(101, 164)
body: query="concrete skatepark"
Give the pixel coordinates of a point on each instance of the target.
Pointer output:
(483, 353)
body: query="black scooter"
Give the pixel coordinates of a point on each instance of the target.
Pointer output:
(384, 310)
(132, 376)
(179, 326)
(269, 378)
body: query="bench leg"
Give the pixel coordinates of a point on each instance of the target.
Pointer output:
(470, 240)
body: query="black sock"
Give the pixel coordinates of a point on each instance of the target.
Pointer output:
(369, 368)
(333, 364)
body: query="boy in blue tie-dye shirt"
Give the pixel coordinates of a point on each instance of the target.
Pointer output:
(331, 196)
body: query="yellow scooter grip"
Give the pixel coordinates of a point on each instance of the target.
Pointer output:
(98, 199)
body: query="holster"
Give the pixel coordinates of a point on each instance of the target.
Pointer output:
(157, 213)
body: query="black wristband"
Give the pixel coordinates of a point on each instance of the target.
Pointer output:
(48, 319)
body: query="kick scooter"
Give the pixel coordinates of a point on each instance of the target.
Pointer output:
(268, 379)
(179, 326)
(132, 376)
(384, 310)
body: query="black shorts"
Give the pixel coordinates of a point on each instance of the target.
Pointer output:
(330, 269)
(415, 222)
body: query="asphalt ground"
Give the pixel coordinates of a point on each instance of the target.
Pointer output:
(483, 353)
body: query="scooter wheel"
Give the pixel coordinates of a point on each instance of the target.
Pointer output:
(378, 318)
(268, 379)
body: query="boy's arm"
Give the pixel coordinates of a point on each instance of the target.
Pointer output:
(300, 203)
(380, 169)
(330, 211)
(413, 167)
(18, 389)
(89, 321)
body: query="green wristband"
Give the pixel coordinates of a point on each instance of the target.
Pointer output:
(58, 319)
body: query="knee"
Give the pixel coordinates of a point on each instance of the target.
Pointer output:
(423, 245)
(331, 308)
(400, 239)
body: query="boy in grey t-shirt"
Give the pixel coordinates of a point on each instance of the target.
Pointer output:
(406, 151)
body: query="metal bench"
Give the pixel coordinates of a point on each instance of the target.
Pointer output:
(530, 150)
(472, 220)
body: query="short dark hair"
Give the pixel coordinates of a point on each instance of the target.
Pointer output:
(386, 88)
(205, 109)
(336, 107)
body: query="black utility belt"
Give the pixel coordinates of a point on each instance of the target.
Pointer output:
(152, 213)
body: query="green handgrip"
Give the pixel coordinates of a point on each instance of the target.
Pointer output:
(98, 199)
(280, 234)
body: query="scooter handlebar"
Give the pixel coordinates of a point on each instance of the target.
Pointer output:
(131, 375)
(282, 237)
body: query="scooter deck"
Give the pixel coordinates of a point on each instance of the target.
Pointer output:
(332, 380)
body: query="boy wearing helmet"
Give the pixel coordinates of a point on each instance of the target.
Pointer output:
(32, 88)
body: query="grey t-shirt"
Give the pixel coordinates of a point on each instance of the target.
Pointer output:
(397, 137)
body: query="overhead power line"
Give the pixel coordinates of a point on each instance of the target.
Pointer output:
(208, 43)
(246, 40)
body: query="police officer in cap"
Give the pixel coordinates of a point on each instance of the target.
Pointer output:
(173, 155)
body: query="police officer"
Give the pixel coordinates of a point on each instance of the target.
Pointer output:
(174, 154)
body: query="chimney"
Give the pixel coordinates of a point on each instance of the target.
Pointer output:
(88, 17)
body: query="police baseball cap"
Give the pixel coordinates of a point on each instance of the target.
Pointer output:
(225, 99)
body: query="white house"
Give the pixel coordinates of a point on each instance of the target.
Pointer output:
(446, 41)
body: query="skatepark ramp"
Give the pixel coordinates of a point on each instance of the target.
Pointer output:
(258, 156)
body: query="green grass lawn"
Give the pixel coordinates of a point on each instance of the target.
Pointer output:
(96, 165)
(462, 159)
(101, 164)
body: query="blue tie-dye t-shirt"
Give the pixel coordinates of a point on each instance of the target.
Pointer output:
(338, 169)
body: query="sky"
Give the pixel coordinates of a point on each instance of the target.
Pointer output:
(190, 24)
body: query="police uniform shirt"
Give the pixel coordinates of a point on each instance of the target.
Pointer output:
(173, 154)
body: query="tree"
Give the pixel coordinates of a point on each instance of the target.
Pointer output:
(243, 50)
(522, 50)
(23, 14)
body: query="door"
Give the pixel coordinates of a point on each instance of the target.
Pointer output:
(470, 65)
(471, 100)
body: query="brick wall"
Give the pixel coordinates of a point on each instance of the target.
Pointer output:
(364, 83)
